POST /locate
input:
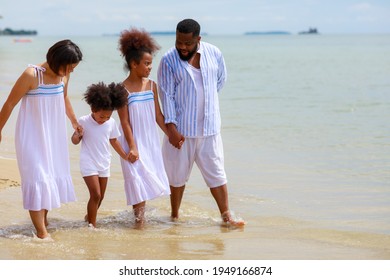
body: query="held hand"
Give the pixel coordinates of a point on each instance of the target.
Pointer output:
(181, 142)
(133, 155)
(79, 131)
(78, 128)
(175, 138)
(77, 135)
(75, 125)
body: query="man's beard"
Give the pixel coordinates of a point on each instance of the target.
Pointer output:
(189, 55)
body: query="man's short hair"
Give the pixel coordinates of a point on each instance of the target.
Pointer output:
(188, 26)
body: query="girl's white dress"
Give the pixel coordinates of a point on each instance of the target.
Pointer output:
(146, 178)
(41, 144)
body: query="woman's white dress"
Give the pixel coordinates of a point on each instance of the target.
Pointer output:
(146, 178)
(41, 144)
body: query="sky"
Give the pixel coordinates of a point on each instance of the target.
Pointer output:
(97, 17)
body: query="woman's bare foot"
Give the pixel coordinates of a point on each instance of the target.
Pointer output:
(91, 226)
(43, 238)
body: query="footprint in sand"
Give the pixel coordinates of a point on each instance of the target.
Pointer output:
(9, 183)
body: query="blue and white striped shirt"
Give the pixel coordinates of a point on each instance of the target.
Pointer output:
(177, 90)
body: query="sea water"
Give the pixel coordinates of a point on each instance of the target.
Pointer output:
(305, 125)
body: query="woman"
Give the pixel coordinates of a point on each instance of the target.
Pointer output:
(40, 134)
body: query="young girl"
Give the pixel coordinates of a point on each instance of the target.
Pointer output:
(144, 176)
(99, 129)
(40, 134)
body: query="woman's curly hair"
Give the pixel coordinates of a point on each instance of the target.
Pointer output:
(106, 97)
(133, 43)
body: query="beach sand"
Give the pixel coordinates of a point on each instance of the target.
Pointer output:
(9, 176)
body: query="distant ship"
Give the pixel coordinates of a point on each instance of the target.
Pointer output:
(310, 31)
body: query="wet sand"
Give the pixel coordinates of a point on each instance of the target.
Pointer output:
(197, 236)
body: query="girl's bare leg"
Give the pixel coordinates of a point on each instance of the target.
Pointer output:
(139, 213)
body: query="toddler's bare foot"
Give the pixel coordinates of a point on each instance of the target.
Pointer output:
(174, 219)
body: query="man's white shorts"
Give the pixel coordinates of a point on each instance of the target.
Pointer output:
(206, 152)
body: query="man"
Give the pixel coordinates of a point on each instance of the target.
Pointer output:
(190, 75)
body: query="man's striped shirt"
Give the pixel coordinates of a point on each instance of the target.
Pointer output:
(177, 90)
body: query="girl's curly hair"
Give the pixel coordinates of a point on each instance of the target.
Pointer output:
(133, 43)
(106, 97)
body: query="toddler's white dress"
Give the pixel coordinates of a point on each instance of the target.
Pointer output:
(146, 178)
(41, 144)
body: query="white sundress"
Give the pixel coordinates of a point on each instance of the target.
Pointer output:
(41, 144)
(146, 178)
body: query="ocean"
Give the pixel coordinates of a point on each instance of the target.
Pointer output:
(306, 131)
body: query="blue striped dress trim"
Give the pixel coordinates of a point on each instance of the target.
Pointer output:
(140, 97)
(47, 90)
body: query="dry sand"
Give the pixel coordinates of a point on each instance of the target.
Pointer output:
(9, 176)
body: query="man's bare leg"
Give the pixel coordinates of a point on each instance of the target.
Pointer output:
(220, 195)
(176, 197)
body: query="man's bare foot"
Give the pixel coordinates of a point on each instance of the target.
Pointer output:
(228, 220)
